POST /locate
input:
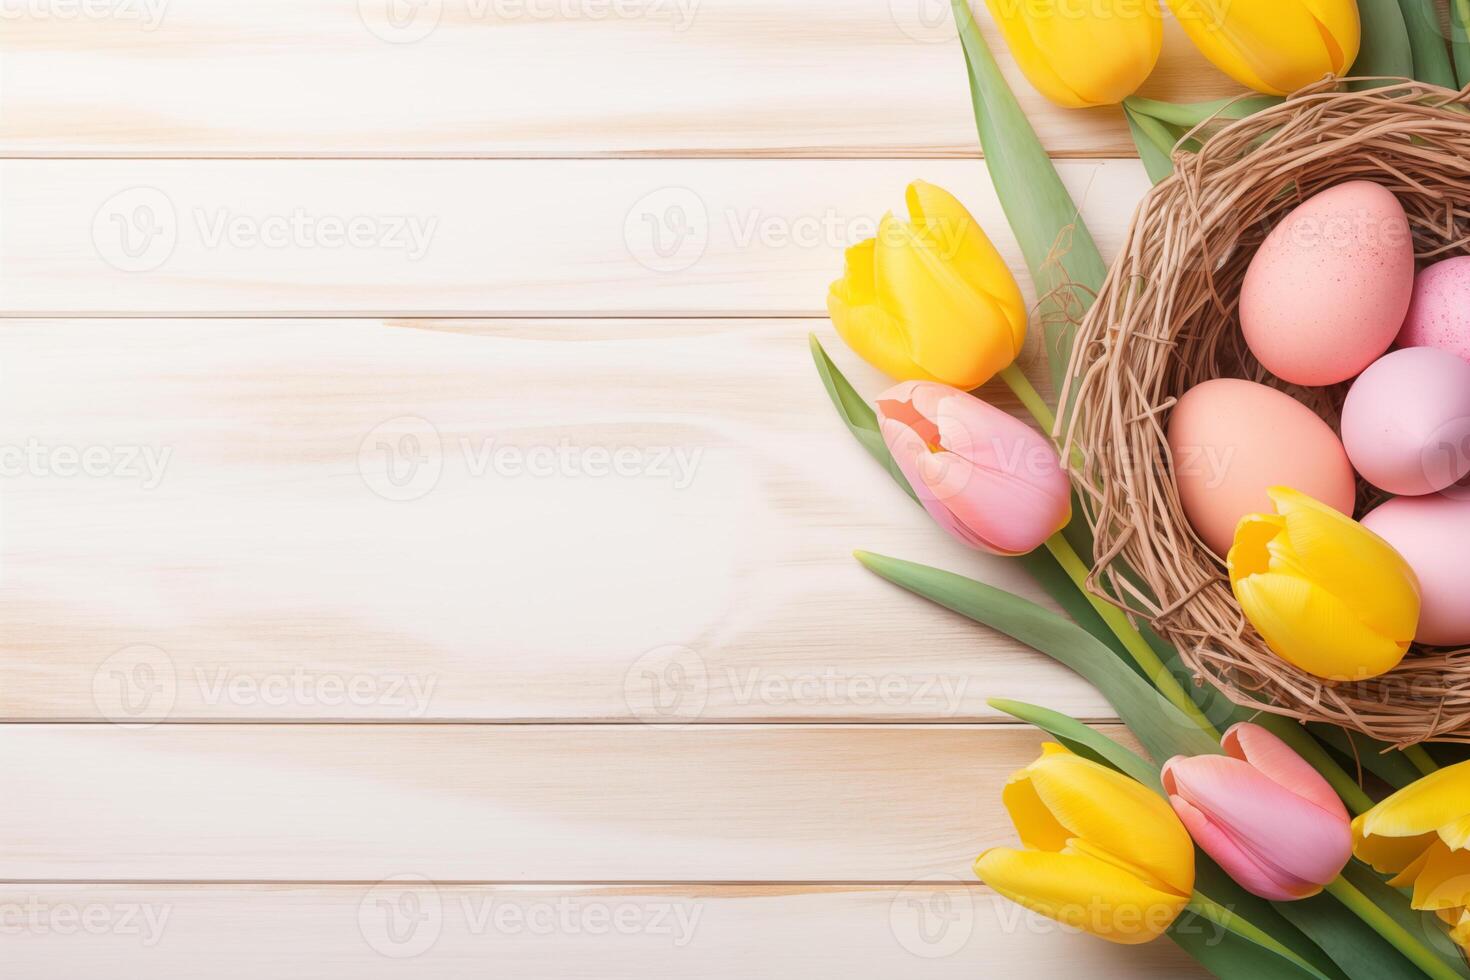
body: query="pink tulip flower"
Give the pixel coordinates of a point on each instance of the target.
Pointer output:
(1266, 816)
(988, 478)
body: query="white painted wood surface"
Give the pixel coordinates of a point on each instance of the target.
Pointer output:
(390, 520)
(529, 78)
(313, 343)
(473, 237)
(936, 928)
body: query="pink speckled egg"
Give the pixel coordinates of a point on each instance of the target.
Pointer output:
(1439, 314)
(1406, 421)
(1232, 440)
(1327, 291)
(1433, 535)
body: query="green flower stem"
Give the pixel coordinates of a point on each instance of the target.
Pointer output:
(1420, 759)
(1386, 926)
(1017, 381)
(1132, 640)
(1214, 912)
(1066, 556)
(1032, 401)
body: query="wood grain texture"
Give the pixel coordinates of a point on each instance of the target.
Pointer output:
(445, 237)
(933, 930)
(506, 520)
(522, 78)
(504, 804)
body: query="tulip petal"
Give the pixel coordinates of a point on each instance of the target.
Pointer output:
(958, 237)
(1122, 39)
(1286, 836)
(955, 332)
(1389, 855)
(877, 336)
(1081, 891)
(987, 478)
(1034, 823)
(1272, 47)
(1237, 862)
(1349, 561)
(1341, 30)
(910, 452)
(1117, 815)
(1035, 64)
(1459, 922)
(1307, 626)
(1273, 758)
(1444, 880)
(1423, 807)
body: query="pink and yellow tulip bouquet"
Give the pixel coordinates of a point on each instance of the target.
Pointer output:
(1252, 823)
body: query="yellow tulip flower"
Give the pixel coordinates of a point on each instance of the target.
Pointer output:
(1421, 834)
(1273, 46)
(1081, 53)
(1102, 852)
(930, 299)
(1327, 594)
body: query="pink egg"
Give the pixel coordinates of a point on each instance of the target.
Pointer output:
(1232, 440)
(1406, 421)
(1327, 291)
(1439, 314)
(1433, 535)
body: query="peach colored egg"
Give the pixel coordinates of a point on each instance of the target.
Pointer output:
(1439, 314)
(1232, 440)
(1433, 535)
(1406, 421)
(1327, 291)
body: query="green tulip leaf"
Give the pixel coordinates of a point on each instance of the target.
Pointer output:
(1083, 740)
(1066, 267)
(856, 414)
(1385, 49)
(1379, 758)
(1154, 141)
(1427, 43)
(1163, 729)
(1460, 40)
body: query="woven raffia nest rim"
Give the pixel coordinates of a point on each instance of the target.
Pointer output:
(1166, 320)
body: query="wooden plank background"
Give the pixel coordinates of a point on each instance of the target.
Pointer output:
(424, 544)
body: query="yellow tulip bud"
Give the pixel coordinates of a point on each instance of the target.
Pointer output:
(1273, 46)
(1421, 834)
(1102, 852)
(1082, 53)
(930, 299)
(1326, 593)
